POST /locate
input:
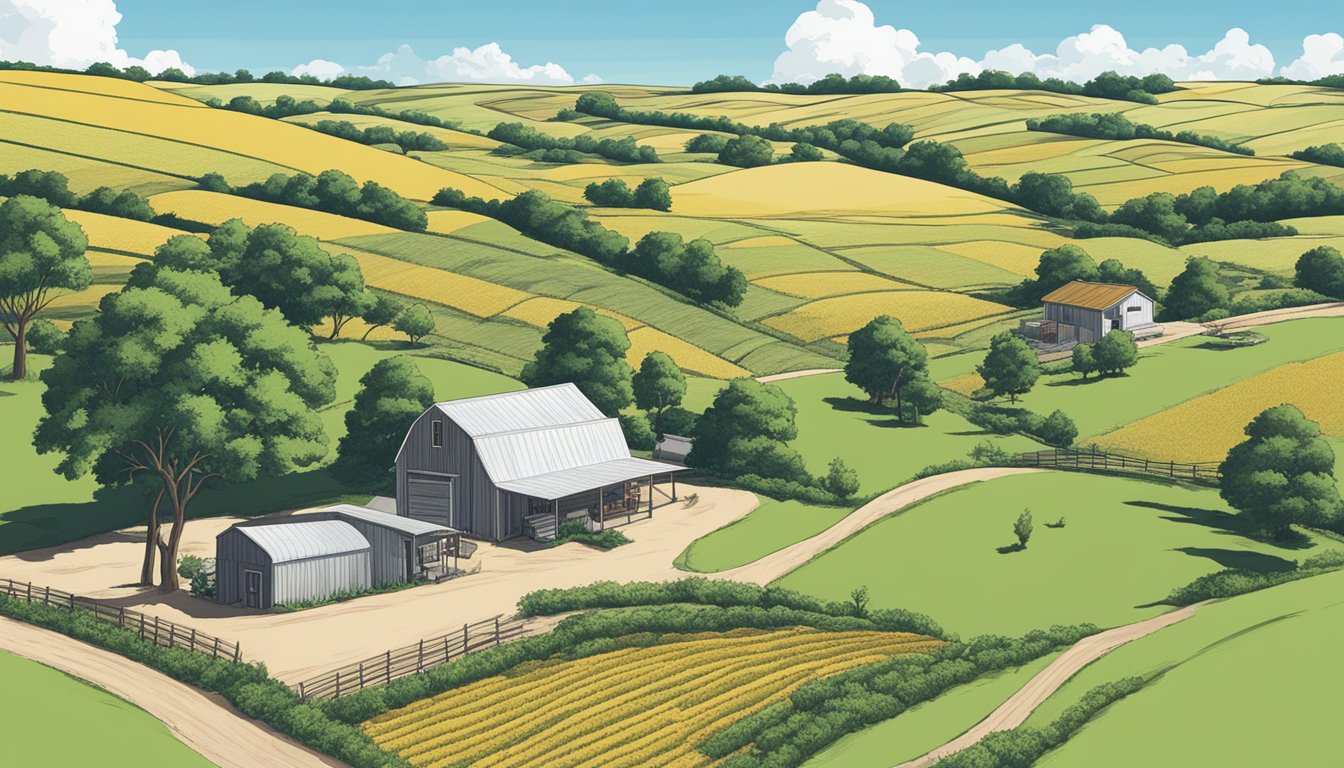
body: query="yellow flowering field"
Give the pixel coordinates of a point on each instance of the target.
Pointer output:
(632, 707)
(448, 221)
(541, 310)
(216, 208)
(104, 86)
(1014, 257)
(815, 285)
(1206, 427)
(113, 233)
(917, 310)
(687, 356)
(966, 384)
(469, 294)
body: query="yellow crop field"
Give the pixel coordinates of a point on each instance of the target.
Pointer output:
(541, 310)
(447, 222)
(116, 234)
(634, 707)
(105, 86)
(86, 299)
(917, 310)
(271, 140)
(99, 258)
(816, 285)
(821, 188)
(1205, 428)
(469, 294)
(216, 208)
(966, 384)
(355, 328)
(1014, 257)
(84, 174)
(687, 356)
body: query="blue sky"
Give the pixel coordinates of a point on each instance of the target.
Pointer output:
(670, 43)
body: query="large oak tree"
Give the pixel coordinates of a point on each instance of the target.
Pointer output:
(177, 380)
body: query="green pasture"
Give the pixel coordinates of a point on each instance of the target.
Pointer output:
(769, 528)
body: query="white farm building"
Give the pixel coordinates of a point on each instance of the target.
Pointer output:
(1082, 312)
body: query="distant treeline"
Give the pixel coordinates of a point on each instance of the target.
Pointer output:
(692, 269)
(1116, 126)
(832, 83)
(331, 191)
(1325, 154)
(379, 134)
(1107, 85)
(55, 189)
(173, 74)
(623, 150)
(651, 193)
(1329, 81)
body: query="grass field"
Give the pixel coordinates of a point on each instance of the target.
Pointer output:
(1249, 681)
(38, 705)
(1126, 544)
(769, 528)
(635, 707)
(45, 509)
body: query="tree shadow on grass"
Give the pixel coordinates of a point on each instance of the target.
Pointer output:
(1240, 559)
(1008, 549)
(1224, 523)
(893, 423)
(852, 405)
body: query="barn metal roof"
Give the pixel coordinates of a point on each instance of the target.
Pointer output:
(406, 525)
(286, 542)
(525, 409)
(1080, 293)
(567, 482)
(513, 455)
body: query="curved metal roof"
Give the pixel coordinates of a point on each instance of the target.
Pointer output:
(286, 542)
(407, 525)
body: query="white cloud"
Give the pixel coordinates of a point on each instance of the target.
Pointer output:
(72, 34)
(1321, 55)
(844, 36)
(486, 64)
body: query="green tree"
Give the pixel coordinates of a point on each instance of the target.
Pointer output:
(840, 480)
(1022, 528)
(802, 152)
(182, 381)
(1195, 291)
(885, 361)
(1057, 267)
(588, 350)
(1115, 352)
(1321, 270)
(612, 193)
(382, 311)
(658, 384)
(392, 395)
(1283, 473)
(1058, 430)
(41, 255)
(416, 322)
(44, 337)
(1011, 367)
(747, 152)
(1084, 360)
(1112, 271)
(746, 431)
(653, 193)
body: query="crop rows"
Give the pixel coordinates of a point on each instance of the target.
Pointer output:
(917, 310)
(634, 707)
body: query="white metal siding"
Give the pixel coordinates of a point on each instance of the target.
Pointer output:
(319, 577)
(1143, 314)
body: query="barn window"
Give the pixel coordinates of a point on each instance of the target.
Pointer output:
(1133, 309)
(436, 434)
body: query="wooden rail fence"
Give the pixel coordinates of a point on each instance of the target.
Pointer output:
(412, 659)
(1111, 462)
(151, 628)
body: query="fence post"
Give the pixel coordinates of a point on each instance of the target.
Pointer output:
(121, 616)
(497, 640)
(338, 684)
(388, 676)
(237, 652)
(142, 626)
(30, 592)
(215, 653)
(466, 639)
(193, 638)
(46, 598)
(361, 675)
(420, 658)
(301, 690)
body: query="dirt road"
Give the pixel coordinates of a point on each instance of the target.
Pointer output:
(1020, 705)
(795, 374)
(204, 722)
(772, 566)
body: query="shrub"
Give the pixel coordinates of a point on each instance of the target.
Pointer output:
(575, 530)
(1057, 430)
(638, 432)
(840, 480)
(44, 337)
(1230, 582)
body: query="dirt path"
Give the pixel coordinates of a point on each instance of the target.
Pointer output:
(1020, 705)
(204, 722)
(795, 374)
(772, 566)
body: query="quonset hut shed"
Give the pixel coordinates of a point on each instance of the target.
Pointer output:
(498, 466)
(260, 566)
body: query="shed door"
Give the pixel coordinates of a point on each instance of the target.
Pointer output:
(252, 589)
(430, 498)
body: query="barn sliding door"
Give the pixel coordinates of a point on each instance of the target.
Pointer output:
(430, 498)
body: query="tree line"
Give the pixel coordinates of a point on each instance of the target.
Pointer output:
(175, 75)
(692, 269)
(1325, 154)
(54, 187)
(624, 150)
(1329, 81)
(1107, 85)
(331, 191)
(834, 83)
(653, 193)
(1116, 126)
(380, 134)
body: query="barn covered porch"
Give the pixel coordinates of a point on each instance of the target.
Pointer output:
(600, 496)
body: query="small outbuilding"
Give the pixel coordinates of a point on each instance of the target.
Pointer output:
(673, 448)
(261, 566)
(1082, 312)
(403, 549)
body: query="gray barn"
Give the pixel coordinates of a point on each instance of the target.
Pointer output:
(261, 566)
(494, 467)
(402, 549)
(1083, 312)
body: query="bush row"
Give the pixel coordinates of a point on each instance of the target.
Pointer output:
(1325, 154)
(246, 686)
(822, 711)
(834, 83)
(380, 134)
(1107, 85)
(623, 150)
(174, 74)
(585, 635)
(331, 191)
(692, 269)
(1023, 746)
(697, 590)
(1056, 430)
(1230, 582)
(54, 187)
(1115, 126)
